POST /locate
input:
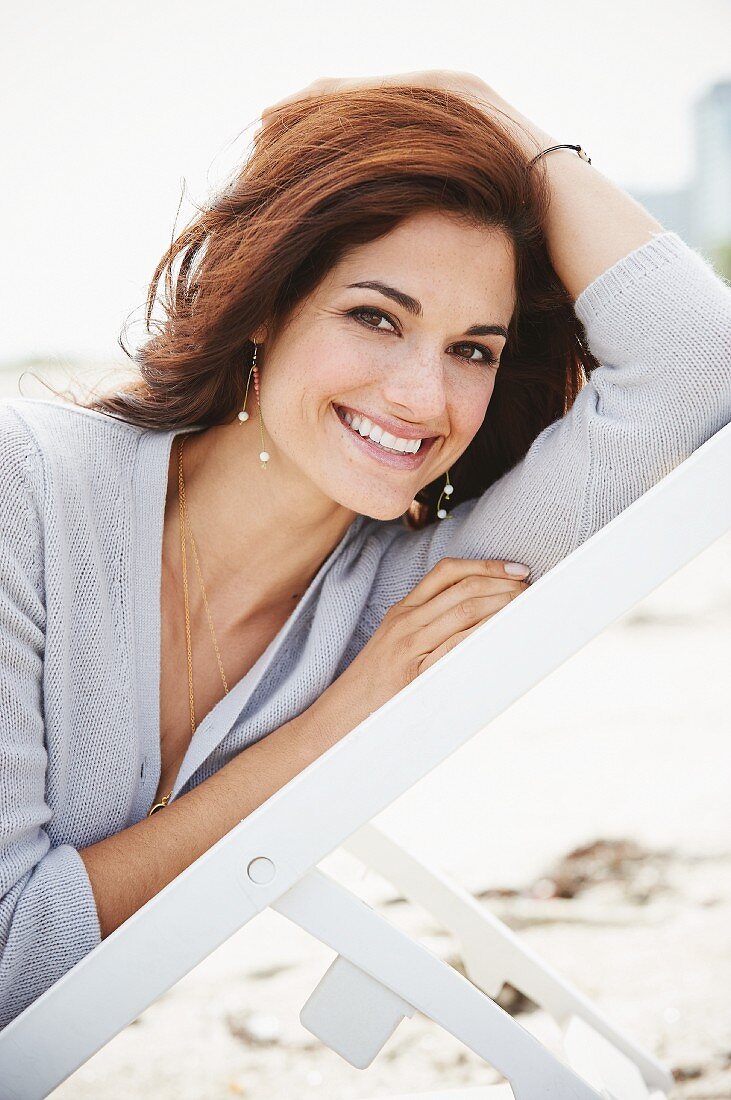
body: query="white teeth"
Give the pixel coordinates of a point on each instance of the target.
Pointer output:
(366, 428)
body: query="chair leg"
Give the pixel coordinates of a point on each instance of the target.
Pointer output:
(417, 979)
(352, 1013)
(491, 952)
(601, 1064)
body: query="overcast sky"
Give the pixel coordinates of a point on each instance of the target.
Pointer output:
(107, 108)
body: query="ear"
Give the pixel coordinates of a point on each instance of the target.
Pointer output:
(261, 334)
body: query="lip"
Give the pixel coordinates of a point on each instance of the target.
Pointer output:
(401, 431)
(385, 458)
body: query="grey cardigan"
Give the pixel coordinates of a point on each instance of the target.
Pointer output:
(81, 511)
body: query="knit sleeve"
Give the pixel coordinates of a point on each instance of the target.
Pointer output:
(659, 323)
(48, 918)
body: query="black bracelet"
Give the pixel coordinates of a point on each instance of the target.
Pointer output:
(550, 149)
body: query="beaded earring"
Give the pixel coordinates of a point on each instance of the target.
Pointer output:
(446, 492)
(243, 415)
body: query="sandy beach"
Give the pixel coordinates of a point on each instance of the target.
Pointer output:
(592, 817)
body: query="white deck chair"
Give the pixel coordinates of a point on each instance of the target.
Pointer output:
(381, 975)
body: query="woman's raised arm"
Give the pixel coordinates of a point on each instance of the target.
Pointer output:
(591, 222)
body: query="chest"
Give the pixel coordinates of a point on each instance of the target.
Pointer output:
(239, 648)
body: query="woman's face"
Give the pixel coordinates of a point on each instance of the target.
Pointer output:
(413, 366)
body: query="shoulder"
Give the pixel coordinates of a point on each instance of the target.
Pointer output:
(47, 419)
(21, 465)
(52, 436)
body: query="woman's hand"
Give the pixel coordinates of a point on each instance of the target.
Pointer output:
(471, 87)
(448, 604)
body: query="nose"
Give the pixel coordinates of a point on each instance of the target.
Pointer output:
(415, 388)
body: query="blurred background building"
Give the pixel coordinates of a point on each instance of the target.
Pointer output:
(701, 211)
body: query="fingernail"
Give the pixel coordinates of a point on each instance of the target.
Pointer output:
(515, 569)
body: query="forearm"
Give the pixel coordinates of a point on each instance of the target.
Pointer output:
(131, 866)
(591, 222)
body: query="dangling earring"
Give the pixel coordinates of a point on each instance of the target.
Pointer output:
(243, 415)
(446, 492)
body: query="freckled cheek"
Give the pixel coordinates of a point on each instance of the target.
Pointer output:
(339, 368)
(469, 409)
(294, 397)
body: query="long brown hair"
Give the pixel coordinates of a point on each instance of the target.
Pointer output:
(326, 174)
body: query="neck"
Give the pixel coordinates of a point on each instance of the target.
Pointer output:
(261, 535)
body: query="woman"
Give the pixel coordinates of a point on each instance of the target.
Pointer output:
(375, 393)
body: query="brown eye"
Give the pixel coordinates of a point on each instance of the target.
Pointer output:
(487, 356)
(364, 311)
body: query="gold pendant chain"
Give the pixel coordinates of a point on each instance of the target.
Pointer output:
(184, 520)
(182, 512)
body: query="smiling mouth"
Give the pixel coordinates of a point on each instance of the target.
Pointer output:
(388, 456)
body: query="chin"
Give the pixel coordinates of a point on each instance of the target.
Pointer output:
(374, 509)
(383, 513)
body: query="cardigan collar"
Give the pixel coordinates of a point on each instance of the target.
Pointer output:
(150, 479)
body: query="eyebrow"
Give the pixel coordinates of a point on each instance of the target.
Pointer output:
(412, 305)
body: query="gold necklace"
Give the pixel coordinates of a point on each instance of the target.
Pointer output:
(184, 520)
